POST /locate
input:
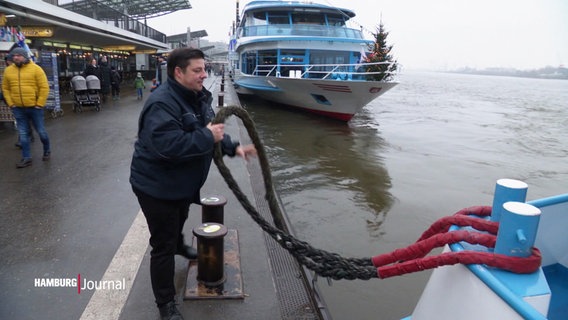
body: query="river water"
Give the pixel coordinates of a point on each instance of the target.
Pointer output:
(431, 146)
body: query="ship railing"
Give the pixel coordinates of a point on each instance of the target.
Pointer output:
(300, 30)
(353, 71)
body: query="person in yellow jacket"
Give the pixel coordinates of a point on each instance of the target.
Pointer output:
(25, 89)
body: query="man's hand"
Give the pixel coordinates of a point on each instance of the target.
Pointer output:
(218, 130)
(246, 151)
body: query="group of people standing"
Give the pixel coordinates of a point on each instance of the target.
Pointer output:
(109, 77)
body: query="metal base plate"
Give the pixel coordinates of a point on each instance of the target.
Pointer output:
(232, 288)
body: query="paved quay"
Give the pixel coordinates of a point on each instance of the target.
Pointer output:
(74, 243)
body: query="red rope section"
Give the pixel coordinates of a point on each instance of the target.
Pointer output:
(513, 264)
(412, 258)
(422, 248)
(462, 218)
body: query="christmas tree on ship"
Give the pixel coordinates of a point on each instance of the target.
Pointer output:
(380, 51)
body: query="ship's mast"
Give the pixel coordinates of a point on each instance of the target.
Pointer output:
(237, 13)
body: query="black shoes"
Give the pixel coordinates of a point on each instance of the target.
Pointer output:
(169, 311)
(24, 163)
(187, 252)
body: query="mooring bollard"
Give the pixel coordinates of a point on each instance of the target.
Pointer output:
(221, 99)
(212, 209)
(216, 274)
(507, 190)
(517, 229)
(210, 249)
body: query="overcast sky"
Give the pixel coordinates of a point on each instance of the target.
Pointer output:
(435, 34)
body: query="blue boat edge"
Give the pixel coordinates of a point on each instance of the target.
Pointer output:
(548, 283)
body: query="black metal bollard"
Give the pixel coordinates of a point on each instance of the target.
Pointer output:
(212, 209)
(210, 249)
(221, 99)
(222, 86)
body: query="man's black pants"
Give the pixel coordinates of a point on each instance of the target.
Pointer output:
(165, 220)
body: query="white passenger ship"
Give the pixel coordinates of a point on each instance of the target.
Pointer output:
(303, 55)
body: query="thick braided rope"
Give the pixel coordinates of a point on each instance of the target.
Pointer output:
(323, 263)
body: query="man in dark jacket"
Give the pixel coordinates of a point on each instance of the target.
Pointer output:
(105, 77)
(170, 164)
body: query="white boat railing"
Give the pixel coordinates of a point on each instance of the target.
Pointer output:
(354, 71)
(310, 30)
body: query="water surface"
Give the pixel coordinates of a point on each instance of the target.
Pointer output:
(434, 144)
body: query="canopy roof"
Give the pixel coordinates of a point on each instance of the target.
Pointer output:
(137, 9)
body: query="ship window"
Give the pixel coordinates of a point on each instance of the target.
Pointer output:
(258, 19)
(267, 57)
(249, 62)
(336, 21)
(278, 18)
(292, 56)
(326, 61)
(291, 59)
(308, 18)
(292, 52)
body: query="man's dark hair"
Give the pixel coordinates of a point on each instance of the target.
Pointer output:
(180, 58)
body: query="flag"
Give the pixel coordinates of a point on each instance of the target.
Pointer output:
(9, 34)
(232, 45)
(363, 57)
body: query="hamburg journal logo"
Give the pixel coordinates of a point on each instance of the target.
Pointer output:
(80, 284)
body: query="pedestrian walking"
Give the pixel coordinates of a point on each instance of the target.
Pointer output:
(115, 80)
(25, 90)
(170, 164)
(140, 85)
(8, 60)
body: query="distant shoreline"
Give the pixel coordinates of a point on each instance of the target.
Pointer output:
(559, 73)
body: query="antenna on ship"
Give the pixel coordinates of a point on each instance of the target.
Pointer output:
(237, 13)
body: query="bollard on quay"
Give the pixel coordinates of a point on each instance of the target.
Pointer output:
(211, 250)
(216, 274)
(221, 99)
(212, 209)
